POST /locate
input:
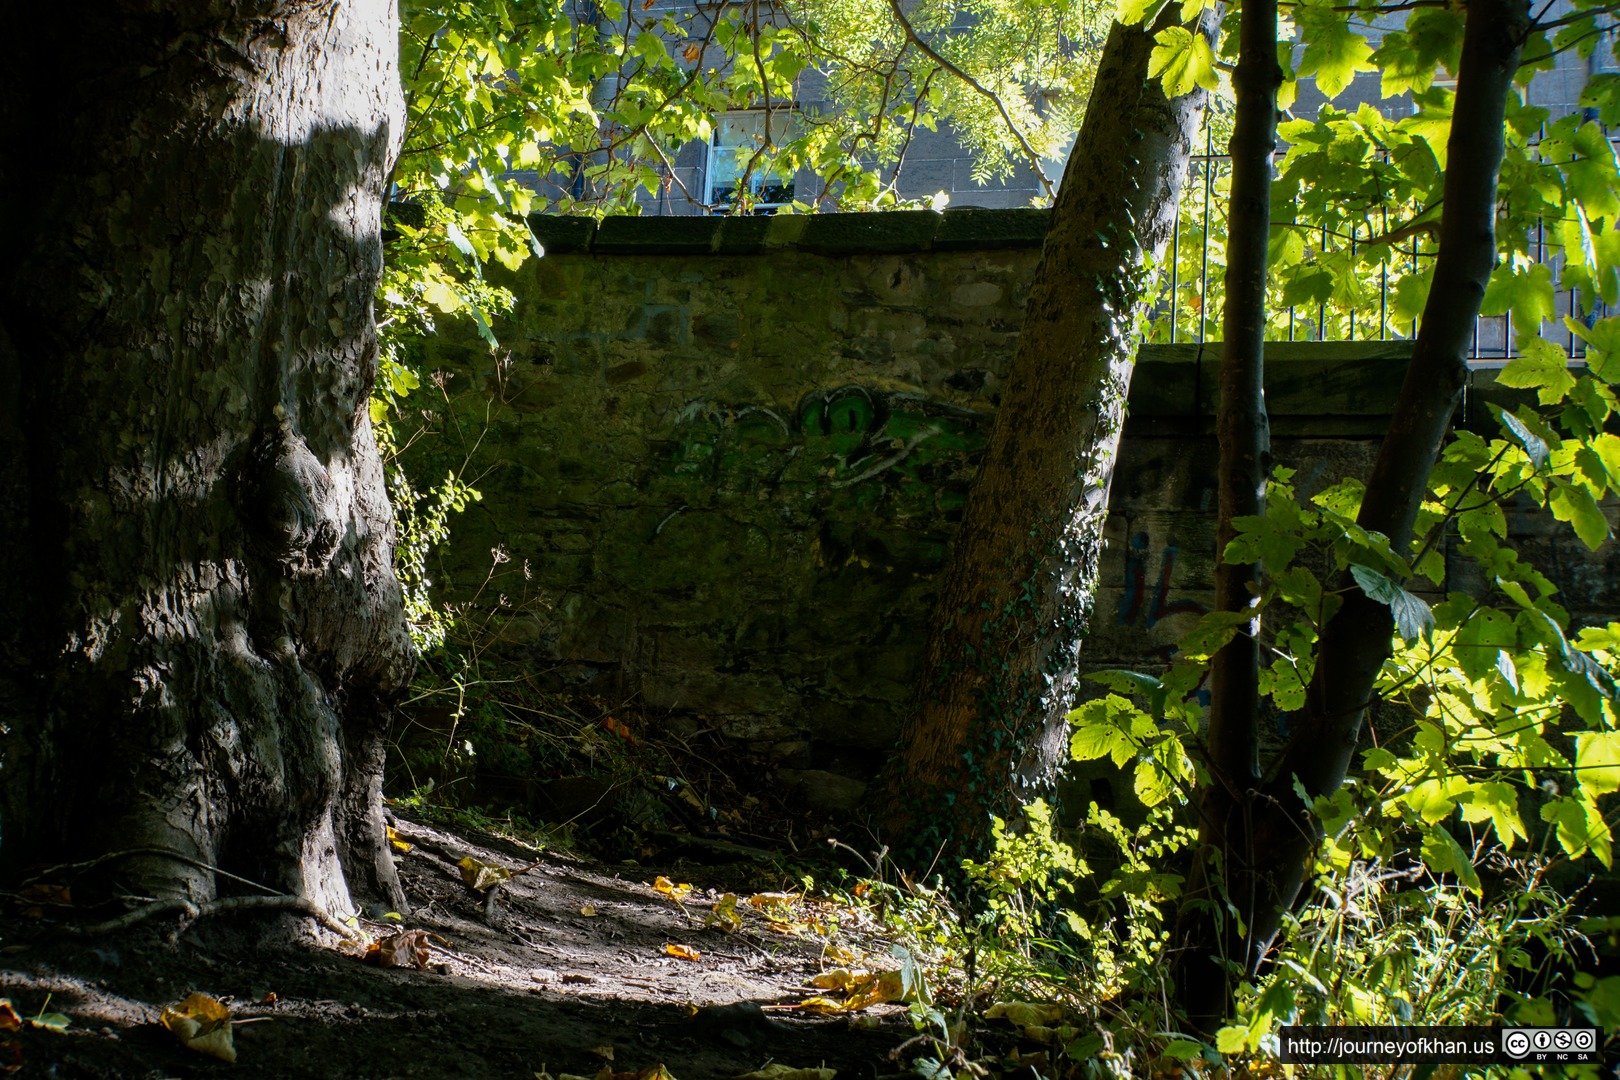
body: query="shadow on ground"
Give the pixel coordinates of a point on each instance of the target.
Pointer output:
(568, 971)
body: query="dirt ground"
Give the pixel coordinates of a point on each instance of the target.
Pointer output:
(569, 971)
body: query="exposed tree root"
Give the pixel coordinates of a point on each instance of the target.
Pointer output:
(195, 911)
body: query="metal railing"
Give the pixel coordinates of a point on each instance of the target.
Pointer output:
(1186, 312)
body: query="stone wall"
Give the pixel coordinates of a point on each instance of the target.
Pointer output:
(732, 452)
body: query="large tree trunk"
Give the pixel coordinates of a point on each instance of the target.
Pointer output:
(1356, 641)
(1232, 738)
(1016, 592)
(199, 623)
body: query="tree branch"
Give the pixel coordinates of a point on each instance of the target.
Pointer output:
(995, 99)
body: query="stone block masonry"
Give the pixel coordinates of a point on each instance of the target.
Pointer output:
(733, 451)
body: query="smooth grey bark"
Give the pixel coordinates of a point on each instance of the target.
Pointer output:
(998, 674)
(200, 627)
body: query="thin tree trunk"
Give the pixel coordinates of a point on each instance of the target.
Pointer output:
(200, 620)
(1356, 641)
(1232, 738)
(1017, 589)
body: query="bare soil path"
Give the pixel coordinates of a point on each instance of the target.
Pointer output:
(568, 971)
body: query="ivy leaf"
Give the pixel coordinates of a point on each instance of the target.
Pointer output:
(1182, 60)
(1412, 616)
(1333, 51)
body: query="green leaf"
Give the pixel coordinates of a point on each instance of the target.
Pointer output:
(1182, 60)
(1334, 52)
(1152, 785)
(1602, 346)
(1412, 616)
(1579, 826)
(1136, 11)
(442, 296)
(1525, 291)
(1574, 504)
(1410, 60)
(1597, 762)
(1443, 854)
(1412, 293)
(1478, 641)
(459, 239)
(1182, 1049)
(1232, 1039)
(1543, 367)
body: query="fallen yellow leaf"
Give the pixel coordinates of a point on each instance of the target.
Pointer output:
(605, 1051)
(836, 979)
(725, 914)
(396, 843)
(778, 1071)
(672, 890)
(684, 952)
(1024, 1013)
(481, 875)
(588, 910)
(202, 1024)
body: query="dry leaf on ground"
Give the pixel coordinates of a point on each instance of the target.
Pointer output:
(683, 952)
(864, 989)
(481, 875)
(202, 1024)
(670, 889)
(1025, 1013)
(725, 914)
(406, 949)
(778, 1071)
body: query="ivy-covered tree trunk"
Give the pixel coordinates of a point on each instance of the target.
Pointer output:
(1355, 642)
(1017, 589)
(199, 623)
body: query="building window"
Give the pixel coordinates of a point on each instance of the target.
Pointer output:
(737, 138)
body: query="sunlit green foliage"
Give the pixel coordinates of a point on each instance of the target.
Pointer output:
(1357, 197)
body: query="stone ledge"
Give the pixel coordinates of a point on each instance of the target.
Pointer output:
(887, 233)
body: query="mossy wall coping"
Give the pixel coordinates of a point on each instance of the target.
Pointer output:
(891, 233)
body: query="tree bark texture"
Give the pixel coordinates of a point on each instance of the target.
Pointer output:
(1232, 737)
(200, 626)
(1356, 641)
(1016, 592)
